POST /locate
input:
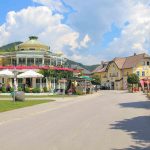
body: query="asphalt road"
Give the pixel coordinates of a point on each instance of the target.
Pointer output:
(109, 120)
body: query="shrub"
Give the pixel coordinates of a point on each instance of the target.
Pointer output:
(19, 89)
(36, 90)
(11, 89)
(45, 89)
(79, 93)
(3, 89)
(27, 90)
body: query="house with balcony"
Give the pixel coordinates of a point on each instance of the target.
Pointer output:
(117, 70)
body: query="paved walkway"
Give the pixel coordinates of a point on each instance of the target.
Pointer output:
(109, 120)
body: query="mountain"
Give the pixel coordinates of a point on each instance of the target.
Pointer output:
(88, 67)
(11, 47)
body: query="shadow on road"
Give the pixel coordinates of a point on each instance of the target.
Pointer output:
(134, 148)
(138, 128)
(140, 104)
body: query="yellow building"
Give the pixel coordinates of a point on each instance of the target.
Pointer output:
(118, 69)
(31, 54)
(101, 72)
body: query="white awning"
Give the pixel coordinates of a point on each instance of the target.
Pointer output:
(30, 74)
(6, 73)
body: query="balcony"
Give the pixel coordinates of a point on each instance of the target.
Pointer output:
(113, 75)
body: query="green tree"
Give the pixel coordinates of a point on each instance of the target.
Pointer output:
(57, 74)
(47, 74)
(97, 79)
(133, 79)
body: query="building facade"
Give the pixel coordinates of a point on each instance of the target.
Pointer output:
(114, 75)
(34, 55)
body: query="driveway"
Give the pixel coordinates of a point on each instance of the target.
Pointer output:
(108, 120)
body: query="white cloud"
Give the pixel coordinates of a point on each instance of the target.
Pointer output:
(90, 20)
(135, 37)
(85, 41)
(42, 22)
(54, 5)
(96, 17)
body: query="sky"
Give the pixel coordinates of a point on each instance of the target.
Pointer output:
(88, 31)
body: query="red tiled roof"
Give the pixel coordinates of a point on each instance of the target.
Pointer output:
(100, 69)
(119, 62)
(132, 61)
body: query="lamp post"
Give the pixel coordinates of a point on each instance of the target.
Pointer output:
(15, 83)
(85, 86)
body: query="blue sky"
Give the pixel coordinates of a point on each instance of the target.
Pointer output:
(13, 5)
(85, 32)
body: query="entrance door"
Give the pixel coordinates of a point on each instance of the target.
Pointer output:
(29, 82)
(112, 85)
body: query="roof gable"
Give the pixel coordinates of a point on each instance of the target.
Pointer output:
(132, 61)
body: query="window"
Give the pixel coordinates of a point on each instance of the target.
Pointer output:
(20, 82)
(138, 73)
(59, 62)
(127, 73)
(32, 49)
(38, 61)
(143, 73)
(3, 80)
(14, 61)
(30, 61)
(38, 83)
(147, 63)
(22, 61)
(117, 74)
(47, 62)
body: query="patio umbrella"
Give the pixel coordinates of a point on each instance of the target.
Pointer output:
(86, 78)
(6, 73)
(30, 74)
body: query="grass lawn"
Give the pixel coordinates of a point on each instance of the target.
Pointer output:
(39, 96)
(6, 105)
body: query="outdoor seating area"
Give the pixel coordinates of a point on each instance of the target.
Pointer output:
(31, 81)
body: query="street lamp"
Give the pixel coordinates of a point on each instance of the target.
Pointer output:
(15, 72)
